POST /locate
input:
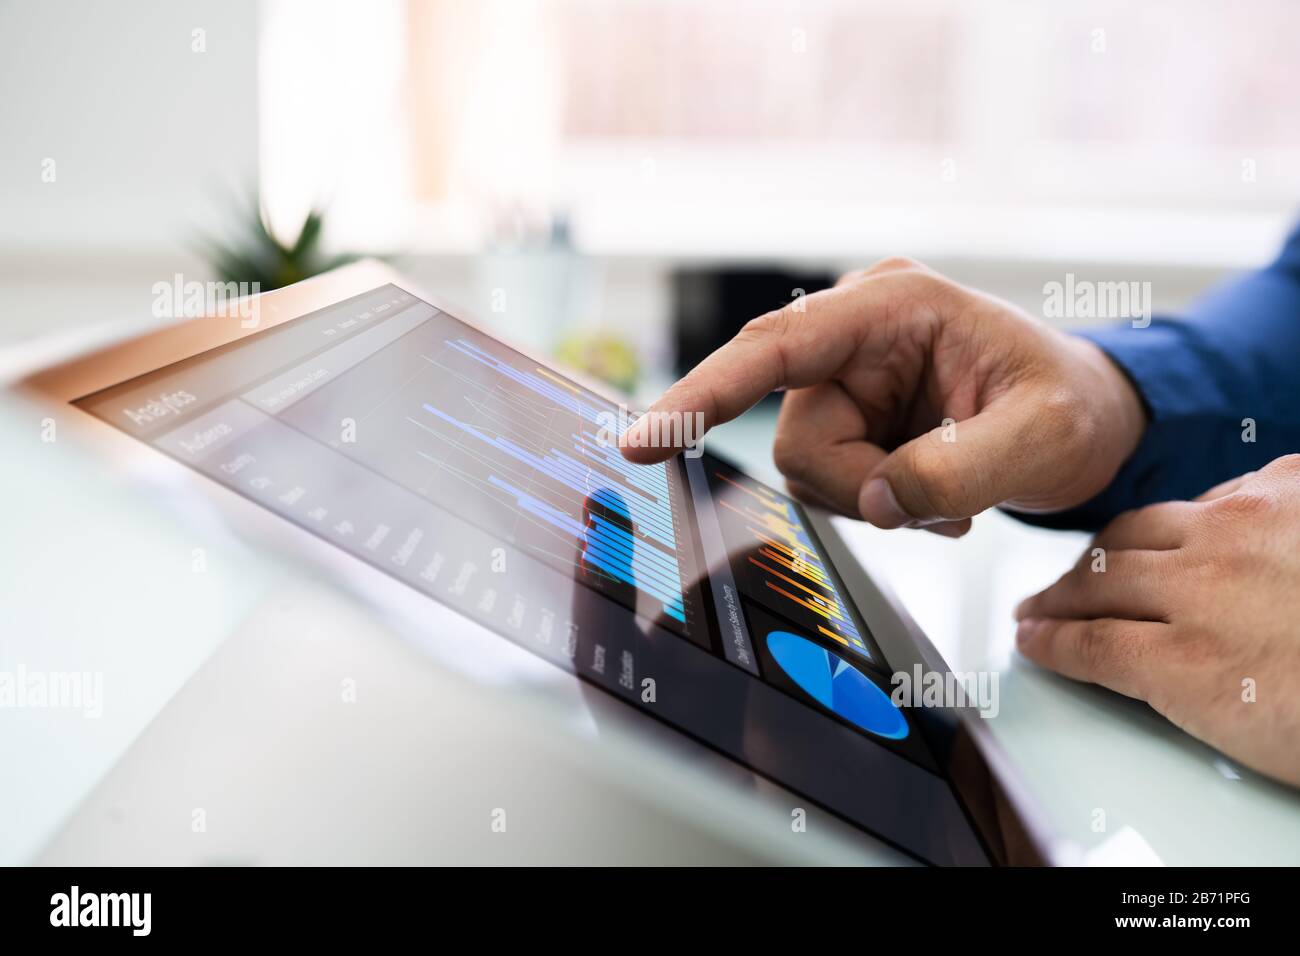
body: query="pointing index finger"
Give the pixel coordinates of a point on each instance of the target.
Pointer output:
(793, 347)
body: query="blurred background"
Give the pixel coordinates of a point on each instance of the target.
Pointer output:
(625, 182)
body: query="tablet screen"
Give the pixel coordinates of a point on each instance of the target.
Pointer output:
(494, 485)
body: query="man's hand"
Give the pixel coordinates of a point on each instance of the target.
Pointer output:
(1197, 612)
(916, 402)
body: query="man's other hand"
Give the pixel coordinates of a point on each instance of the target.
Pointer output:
(1196, 612)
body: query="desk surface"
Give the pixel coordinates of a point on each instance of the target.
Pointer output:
(1111, 773)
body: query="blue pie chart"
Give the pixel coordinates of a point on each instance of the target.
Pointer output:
(837, 685)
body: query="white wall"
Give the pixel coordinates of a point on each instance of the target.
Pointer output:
(143, 131)
(148, 137)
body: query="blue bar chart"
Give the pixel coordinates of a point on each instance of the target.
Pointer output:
(541, 458)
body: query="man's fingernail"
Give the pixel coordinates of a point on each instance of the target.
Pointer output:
(880, 507)
(949, 529)
(1027, 629)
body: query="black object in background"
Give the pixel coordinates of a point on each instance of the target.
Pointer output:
(710, 305)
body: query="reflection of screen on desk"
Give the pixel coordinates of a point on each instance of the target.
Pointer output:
(493, 485)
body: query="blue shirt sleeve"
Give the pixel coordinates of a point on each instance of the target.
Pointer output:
(1234, 356)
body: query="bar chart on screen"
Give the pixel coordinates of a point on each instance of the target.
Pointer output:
(782, 568)
(535, 450)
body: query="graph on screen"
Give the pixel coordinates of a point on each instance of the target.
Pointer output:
(623, 522)
(450, 410)
(781, 568)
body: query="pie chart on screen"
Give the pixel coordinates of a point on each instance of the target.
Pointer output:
(837, 685)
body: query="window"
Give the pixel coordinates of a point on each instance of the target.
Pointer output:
(821, 126)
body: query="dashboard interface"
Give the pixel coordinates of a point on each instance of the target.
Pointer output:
(494, 485)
